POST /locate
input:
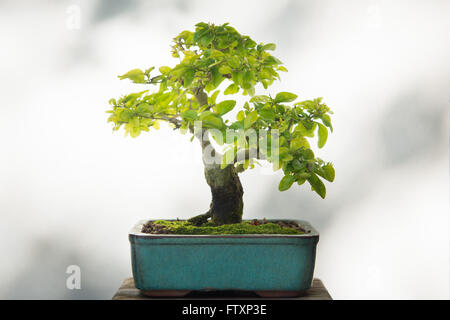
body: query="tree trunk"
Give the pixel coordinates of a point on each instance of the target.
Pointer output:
(226, 189)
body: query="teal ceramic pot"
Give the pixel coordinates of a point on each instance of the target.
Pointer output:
(263, 263)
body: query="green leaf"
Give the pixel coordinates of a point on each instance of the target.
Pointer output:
(298, 165)
(149, 70)
(307, 132)
(250, 91)
(237, 77)
(287, 157)
(211, 121)
(323, 135)
(237, 125)
(206, 39)
(213, 98)
(308, 154)
(260, 99)
(327, 172)
(247, 80)
(227, 158)
(144, 108)
(231, 89)
(135, 75)
(286, 183)
(218, 136)
(189, 115)
(133, 128)
(299, 142)
(224, 107)
(179, 70)
(282, 141)
(225, 69)
(317, 185)
(203, 36)
(200, 33)
(188, 77)
(165, 69)
(267, 114)
(216, 76)
(282, 151)
(285, 97)
(327, 121)
(269, 46)
(271, 60)
(240, 116)
(234, 62)
(250, 119)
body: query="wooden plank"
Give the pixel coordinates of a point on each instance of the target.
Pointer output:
(128, 291)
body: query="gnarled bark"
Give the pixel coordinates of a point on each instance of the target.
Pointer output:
(226, 189)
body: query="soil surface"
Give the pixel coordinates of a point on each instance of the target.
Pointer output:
(245, 227)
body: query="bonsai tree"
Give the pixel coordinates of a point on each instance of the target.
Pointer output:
(270, 128)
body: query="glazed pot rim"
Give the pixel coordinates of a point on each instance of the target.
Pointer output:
(311, 232)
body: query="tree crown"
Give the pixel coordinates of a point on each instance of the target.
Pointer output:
(186, 95)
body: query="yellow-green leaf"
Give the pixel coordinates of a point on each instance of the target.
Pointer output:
(286, 183)
(299, 142)
(327, 172)
(227, 158)
(213, 98)
(224, 107)
(164, 69)
(304, 131)
(250, 119)
(211, 121)
(285, 97)
(323, 135)
(234, 62)
(267, 114)
(327, 121)
(240, 116)
(218, 136)
(231, 89)
(317, 185)
(135, 75)
(189, 115)
(188, 77)
(269, 46)
(260, 99)
(225, 69)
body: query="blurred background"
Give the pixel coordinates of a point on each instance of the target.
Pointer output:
(70, 189)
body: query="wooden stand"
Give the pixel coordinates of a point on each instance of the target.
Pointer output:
(128, 291)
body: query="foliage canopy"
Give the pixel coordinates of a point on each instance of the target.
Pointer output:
(188, 92)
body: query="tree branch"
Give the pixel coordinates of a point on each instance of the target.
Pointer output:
(173, 120)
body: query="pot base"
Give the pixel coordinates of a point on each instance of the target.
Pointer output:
(165, 293)
(128, 291)
(183, 293)
(279, 294)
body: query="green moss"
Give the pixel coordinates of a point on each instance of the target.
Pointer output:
(245, 227)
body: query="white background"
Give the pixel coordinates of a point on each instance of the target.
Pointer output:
(70, 189)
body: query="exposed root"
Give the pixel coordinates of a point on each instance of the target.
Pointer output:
(200, 219)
